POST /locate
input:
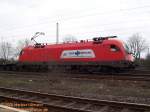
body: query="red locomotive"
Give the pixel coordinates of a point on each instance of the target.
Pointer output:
(96, 55)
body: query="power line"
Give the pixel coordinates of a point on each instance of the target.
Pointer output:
(113, 29)
(101, 25)
(77, 17)
(104, 24)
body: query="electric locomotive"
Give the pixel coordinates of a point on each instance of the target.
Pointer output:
(99, 54)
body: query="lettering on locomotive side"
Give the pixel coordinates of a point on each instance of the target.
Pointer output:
(85, 53)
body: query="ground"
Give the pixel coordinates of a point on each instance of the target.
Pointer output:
(120, 90)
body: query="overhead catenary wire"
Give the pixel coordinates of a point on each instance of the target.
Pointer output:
(124, 29)
(77, 17)
(105, 24)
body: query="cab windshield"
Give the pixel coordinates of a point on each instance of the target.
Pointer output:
(126, 48)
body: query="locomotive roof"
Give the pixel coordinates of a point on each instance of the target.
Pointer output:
(81, 43)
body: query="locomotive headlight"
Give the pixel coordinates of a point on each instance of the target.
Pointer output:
(132, 58)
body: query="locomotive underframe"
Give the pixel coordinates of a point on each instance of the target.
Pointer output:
(91, 67)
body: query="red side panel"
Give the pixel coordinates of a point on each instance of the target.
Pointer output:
(74, 52)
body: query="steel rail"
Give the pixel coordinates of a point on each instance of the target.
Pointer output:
(121, 76)
(70, 103)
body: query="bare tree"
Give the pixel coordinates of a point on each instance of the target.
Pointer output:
(147, 60)
(5, 50)
(21, 44)
(69, 38)
(137, 44)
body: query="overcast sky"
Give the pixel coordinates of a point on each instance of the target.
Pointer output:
(83, 19)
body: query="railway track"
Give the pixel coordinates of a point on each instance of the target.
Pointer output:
(118, 76)
(62, 103)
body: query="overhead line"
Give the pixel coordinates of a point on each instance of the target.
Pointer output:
(107, 24)
(112, 29)
(69, 18)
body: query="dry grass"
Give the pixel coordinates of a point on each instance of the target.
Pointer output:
(104, 89)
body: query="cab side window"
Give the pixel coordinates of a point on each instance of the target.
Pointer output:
(21, 52)
(114, 48)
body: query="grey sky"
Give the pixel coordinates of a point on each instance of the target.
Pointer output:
(82, 18)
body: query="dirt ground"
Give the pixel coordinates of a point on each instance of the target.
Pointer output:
(120, 90)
